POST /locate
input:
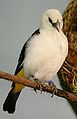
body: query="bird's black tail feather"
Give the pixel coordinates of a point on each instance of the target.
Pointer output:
(10, 102)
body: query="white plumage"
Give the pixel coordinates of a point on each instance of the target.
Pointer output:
(46, 51)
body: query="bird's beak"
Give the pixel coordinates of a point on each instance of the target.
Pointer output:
(57, 26)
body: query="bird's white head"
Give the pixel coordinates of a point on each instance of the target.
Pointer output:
(52, 19)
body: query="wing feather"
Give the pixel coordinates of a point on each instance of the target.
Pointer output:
(23, 55)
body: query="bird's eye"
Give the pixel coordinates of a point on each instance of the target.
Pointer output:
(50, 20)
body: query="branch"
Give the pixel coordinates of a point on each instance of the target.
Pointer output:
(33, 84)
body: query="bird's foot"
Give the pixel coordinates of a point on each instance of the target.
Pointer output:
(39, 83)
(53, 87)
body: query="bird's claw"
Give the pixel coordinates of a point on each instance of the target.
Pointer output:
(53, 88)
(54, 91)
(40, 85)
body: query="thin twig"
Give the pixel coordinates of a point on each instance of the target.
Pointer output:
(33, 84)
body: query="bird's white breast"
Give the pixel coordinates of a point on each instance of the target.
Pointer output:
(45, 54)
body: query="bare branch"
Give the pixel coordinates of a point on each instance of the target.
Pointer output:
(33, 84)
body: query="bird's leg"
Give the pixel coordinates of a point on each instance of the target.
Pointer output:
(35, 79)
(38, 82)
(53, 87)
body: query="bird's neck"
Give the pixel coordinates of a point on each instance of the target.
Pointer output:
(49, 30)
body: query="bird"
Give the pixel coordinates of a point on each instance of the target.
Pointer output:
(42, 55)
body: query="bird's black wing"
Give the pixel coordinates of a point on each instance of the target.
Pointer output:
(23, 54)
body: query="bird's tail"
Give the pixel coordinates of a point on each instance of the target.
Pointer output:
(10, 102)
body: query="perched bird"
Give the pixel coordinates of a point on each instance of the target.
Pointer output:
(41, 56)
